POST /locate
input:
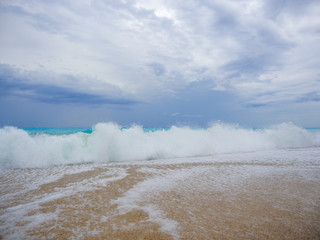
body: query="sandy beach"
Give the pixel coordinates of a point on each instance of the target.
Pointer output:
(233, 196)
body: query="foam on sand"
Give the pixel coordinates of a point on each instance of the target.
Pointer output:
(264, 194)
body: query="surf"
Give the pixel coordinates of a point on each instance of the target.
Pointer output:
(109, 142)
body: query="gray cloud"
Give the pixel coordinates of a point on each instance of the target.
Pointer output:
(132, 51)
(13, 83)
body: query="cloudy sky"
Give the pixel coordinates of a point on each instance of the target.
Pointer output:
(157, 63)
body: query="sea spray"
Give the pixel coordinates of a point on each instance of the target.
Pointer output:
(109, 142)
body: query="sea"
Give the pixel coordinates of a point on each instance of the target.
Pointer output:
(109, 142)
(115, 182)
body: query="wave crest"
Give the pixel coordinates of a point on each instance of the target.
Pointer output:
(108, 142)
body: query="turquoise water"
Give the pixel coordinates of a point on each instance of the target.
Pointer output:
(56, 131)
(67, 131)
(313, 129)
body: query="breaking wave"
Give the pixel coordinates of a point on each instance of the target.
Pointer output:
(109, 142)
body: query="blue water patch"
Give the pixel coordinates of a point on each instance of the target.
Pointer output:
(67, 131)
(155, 129)
(56, 131)
(313, 129)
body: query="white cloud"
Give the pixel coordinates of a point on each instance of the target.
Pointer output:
(149, 48)
(297, 74)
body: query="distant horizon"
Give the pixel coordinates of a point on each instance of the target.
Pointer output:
(158, 127)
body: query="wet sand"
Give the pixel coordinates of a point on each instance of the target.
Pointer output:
(198, 200)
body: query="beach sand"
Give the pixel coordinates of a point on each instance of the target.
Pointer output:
(203, 199)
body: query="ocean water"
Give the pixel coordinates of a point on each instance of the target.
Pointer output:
(109, 142)
(111, 182)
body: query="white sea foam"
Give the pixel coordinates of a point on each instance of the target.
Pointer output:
(108, 142)
(31, 180)
(152, 188)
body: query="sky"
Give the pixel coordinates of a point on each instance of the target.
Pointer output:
(159, 63)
